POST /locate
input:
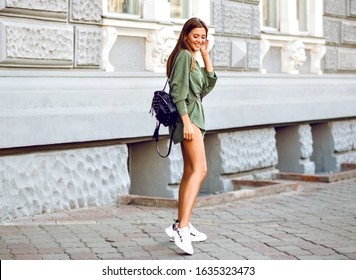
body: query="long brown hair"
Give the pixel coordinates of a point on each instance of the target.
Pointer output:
(182, 43)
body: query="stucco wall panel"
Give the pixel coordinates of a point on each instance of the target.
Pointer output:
(86, 10)
(335, 7)
(247, 150)
(30, 44)
(89, 45)
(67, 179)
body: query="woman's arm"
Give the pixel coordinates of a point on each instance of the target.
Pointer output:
(206, 58)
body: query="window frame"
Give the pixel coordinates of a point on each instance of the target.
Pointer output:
(278, 20)
(306, 15)
(189, 10)
(291, 26)
(197, 8)
(115, 15)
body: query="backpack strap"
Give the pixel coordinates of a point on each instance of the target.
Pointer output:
(156, 136)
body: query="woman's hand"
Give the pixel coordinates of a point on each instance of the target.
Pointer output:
(188, 130)
(204, 50)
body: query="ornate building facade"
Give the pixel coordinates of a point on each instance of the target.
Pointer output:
(77, 78)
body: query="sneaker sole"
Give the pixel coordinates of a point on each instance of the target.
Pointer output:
(194, 239)
(185, 251)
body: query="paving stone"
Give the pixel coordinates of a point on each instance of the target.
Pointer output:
(22, 256)
(317, 222)
(55, 257)
(83, 256)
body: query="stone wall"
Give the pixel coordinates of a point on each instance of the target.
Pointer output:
(237, 34)
(334, 144)
(73, 39)
(295, 148)
(340, 34)
(248, 154)
(244, 113)
(42, 182)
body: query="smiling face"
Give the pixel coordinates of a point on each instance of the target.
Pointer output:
(196, 38)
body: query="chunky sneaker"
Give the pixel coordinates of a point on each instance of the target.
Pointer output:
(183, 240)
(170, 230)
(196, 235)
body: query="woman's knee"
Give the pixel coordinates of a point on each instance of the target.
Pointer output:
(202, 171)
(205, 172)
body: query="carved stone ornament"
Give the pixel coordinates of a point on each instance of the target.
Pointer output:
(293, 56)
(159, 45)
(110, 36)
(265, 46)
(317, 54)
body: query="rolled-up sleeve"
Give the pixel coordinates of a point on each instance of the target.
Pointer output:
(210, 81)
(179, 81)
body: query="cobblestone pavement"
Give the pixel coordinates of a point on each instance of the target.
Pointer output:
(318, 221)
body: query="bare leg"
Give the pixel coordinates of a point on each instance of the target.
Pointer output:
(193, 175)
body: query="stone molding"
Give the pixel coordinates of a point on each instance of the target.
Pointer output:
(51, 10)
(85, 106)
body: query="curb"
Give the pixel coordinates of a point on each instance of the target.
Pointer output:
(255, 189)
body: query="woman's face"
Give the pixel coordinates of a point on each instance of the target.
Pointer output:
(196, 38)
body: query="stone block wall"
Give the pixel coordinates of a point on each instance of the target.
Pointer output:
(340, 35)
(42, 182)
(295, 148)
(152, 175)
(248, 154)
(237, 34)
(334, 144)
(73, 39)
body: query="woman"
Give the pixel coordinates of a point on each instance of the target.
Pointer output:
(189, 83)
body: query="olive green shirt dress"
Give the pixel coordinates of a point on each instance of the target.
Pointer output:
(187, 89)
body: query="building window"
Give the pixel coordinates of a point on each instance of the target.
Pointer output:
(124, 6)
(302, 15)
(180, 9)
(271, 14)
(290, 16)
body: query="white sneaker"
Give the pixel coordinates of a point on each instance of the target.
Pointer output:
(183, 240)
(170, 230)
(196, 235)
